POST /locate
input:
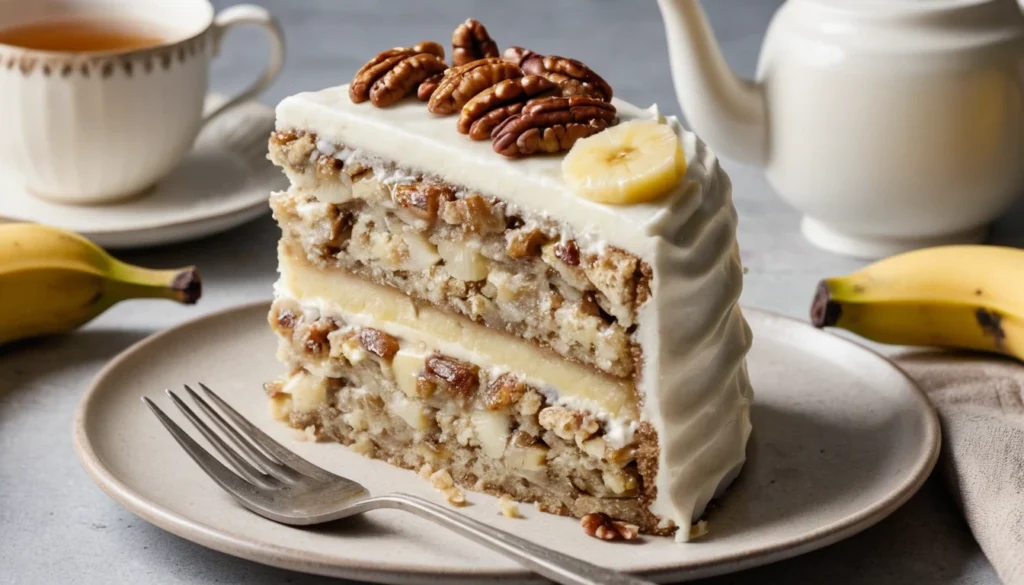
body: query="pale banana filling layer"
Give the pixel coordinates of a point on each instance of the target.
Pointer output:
(365, 304)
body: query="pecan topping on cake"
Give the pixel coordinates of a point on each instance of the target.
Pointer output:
(552, 124)
(497, 103)
(395, 73)
(572, 76)
(471, 42)
(461, 84)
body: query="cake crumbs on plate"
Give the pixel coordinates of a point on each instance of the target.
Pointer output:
(443, 482)
(307, 434)
(699, 529)
(508, 507)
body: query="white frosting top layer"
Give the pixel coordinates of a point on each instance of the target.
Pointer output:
(410, 135)
(696, 394)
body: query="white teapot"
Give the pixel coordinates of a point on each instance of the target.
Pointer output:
(890, 124)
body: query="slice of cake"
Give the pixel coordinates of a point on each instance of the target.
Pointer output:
(522, 283)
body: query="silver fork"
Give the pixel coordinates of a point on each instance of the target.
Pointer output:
(279, 485)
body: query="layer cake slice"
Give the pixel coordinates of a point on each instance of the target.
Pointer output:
(446, 308)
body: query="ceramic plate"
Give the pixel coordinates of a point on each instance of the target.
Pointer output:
(224, 182)
(841, 439)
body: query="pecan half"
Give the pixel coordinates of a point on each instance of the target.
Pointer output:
(470, 42)
(404, 77)
(431, 47)
(517, 55)
(462, 83)
(395, 73)
(572, 76)
(429, 86)
(551, 124)
(456, 377)
(497, 103)
(601, 526)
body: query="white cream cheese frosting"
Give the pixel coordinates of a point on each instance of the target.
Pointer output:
(694, 385)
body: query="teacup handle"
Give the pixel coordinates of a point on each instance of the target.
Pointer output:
(249, 14)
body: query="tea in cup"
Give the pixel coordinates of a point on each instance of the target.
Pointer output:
(100, 99)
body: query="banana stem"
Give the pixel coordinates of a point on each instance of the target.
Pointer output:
(824, 311)
(134, 282)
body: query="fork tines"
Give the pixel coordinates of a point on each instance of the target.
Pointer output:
(259, 460)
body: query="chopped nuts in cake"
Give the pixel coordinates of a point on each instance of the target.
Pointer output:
(568, 252)
(524, 242)
(422, 201)
(409, 247)
(474, 213)
(504, 391)
(456, 377)
(601, 526)
(378, 343)
(567, 424)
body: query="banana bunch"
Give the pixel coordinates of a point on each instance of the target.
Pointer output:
(968, 297)
(52, 281)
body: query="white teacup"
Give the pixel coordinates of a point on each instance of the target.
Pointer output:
(99, 126)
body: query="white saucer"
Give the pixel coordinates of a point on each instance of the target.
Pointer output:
(224, 182)
(841, 439)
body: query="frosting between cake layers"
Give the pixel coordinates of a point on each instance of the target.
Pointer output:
(694, 385)
(365, 304)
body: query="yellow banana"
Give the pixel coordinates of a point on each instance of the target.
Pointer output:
(969, 297)
(53, 281)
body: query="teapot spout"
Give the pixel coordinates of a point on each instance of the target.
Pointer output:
(726, 110)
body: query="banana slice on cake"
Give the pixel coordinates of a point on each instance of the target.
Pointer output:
(634, 162)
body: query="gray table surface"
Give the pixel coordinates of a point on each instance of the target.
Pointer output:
(57, 527)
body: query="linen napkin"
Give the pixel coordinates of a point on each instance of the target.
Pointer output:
(980, 402)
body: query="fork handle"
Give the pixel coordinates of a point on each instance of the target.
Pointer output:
(556, 566)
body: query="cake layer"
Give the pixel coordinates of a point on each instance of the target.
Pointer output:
(431, 144)
(363, 303)
(471, 255)
(393, 398)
